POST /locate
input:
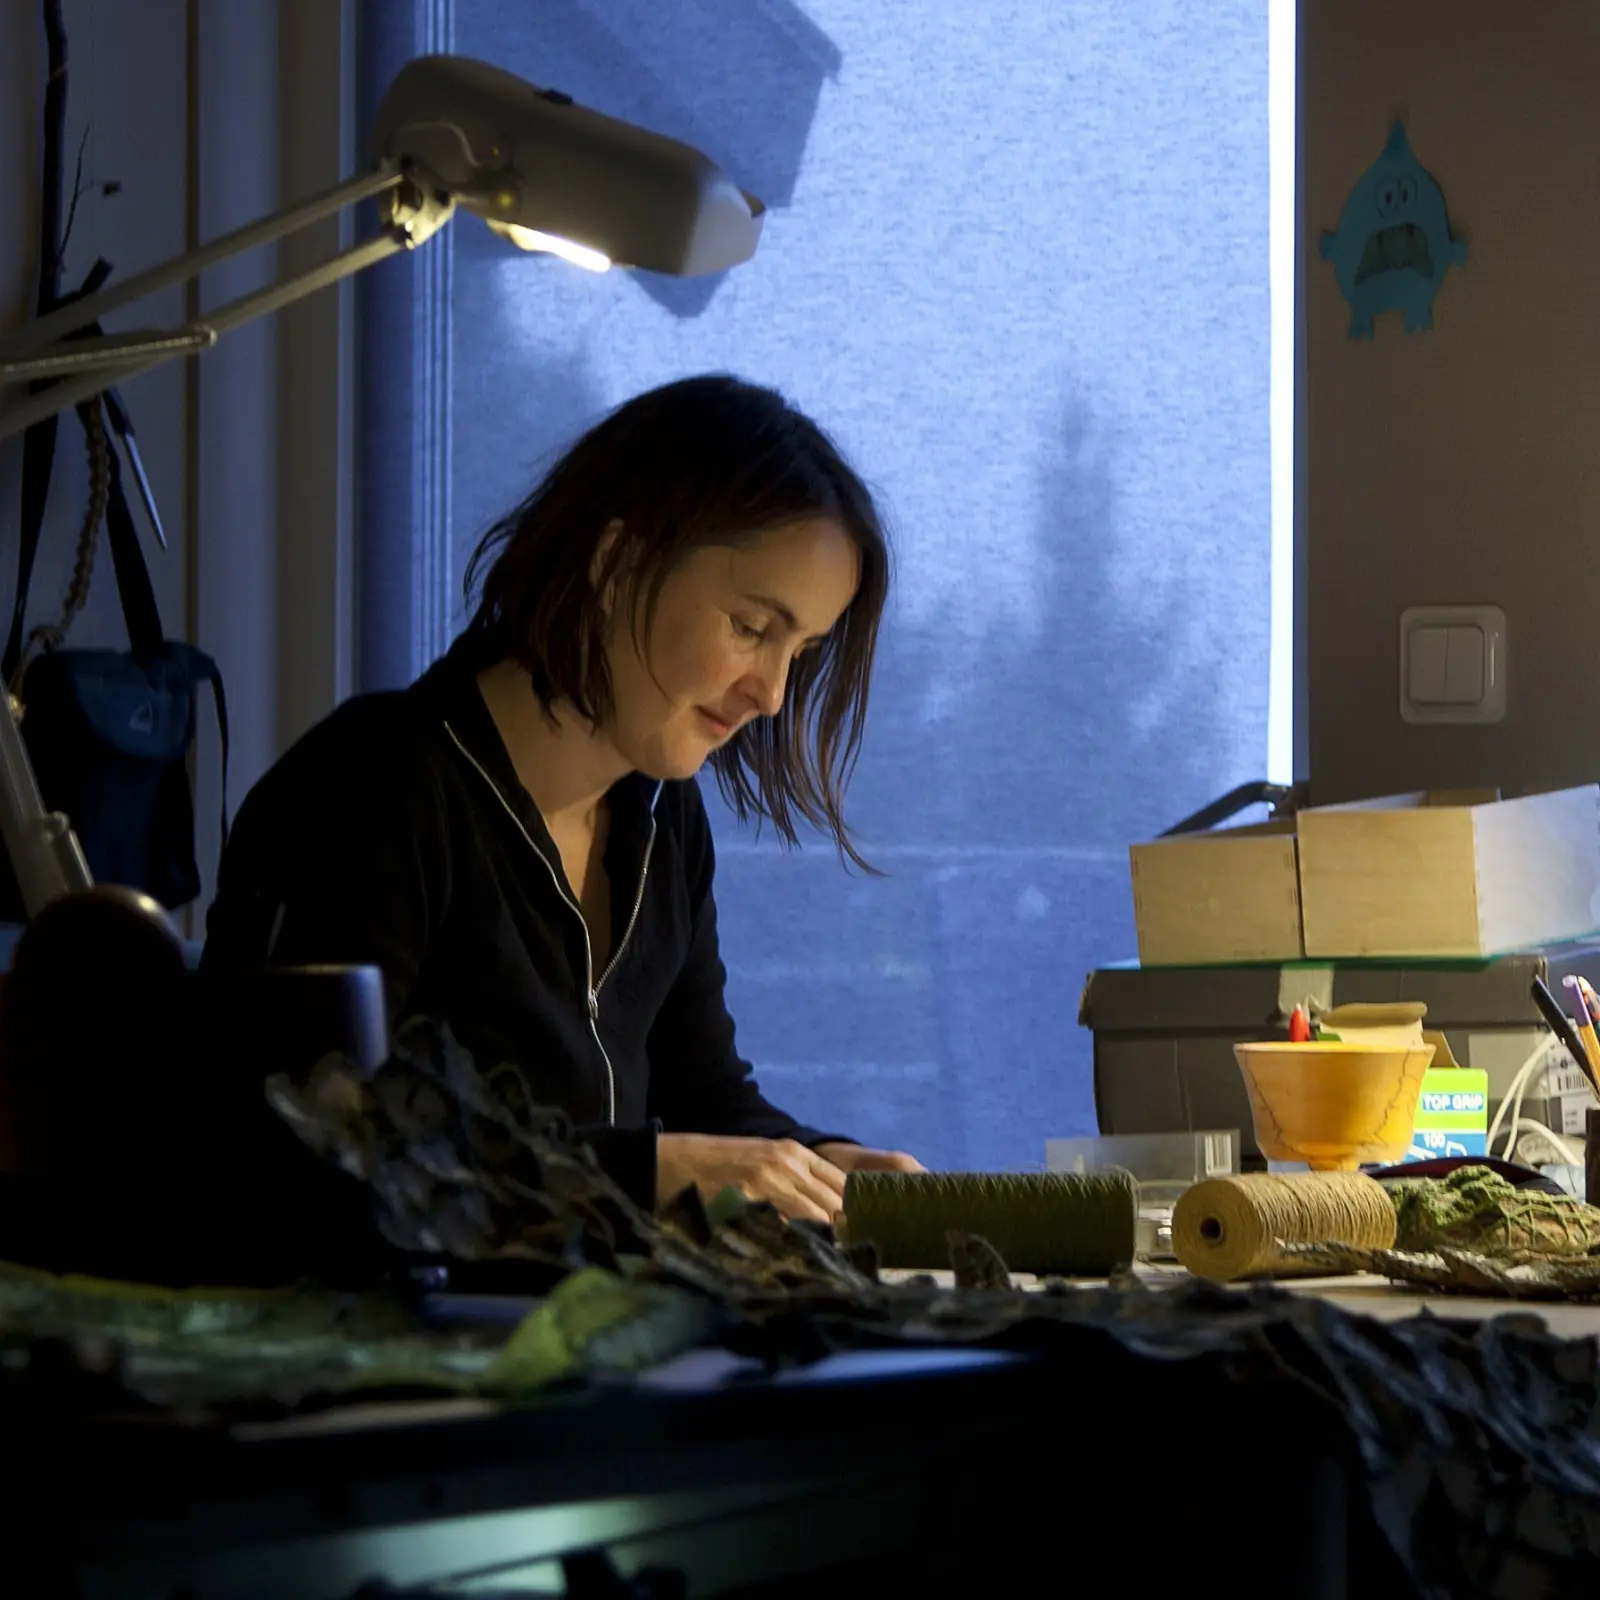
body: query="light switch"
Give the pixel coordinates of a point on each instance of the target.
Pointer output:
(1427, 673)
(1463, 667)
(1453, 664)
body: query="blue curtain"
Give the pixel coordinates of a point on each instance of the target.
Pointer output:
(1017, 263)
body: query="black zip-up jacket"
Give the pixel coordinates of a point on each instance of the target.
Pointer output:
(396, 833)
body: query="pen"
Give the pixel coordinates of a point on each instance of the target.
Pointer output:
(1592, 1001)
(1561, 1027)
(1584, 1020)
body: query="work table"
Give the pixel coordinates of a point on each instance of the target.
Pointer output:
(1364, 1295)
(908, 1468)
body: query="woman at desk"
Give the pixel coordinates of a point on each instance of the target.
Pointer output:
(518, 840)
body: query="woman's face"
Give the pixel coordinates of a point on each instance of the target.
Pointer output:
(728, 625)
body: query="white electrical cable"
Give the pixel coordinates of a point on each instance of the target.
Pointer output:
(1539, 1075)
(1512, 1100)
(1565, 1154)
(1511, 1105)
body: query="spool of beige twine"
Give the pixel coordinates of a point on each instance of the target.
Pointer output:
(1228, 1228)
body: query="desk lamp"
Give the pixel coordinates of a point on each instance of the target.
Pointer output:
(152, 1058)
(541, 171)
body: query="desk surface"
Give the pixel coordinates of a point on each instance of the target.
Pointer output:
(943, 1470)
(1369, 1296)
(1372, 1297)
(942, 1461)
(706, 1372)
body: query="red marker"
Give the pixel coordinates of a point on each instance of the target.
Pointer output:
(1299, 1026)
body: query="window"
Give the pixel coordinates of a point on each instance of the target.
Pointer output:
(1020, 268)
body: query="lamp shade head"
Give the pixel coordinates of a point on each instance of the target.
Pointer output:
(540, 167)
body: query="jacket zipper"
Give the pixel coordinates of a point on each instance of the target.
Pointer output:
(638, 900)
(592, 989)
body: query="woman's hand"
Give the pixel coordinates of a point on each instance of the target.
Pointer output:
(799, 1182)
(858, 1158)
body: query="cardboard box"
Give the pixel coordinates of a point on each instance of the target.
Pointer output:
(1411, 876)
(1231, 895)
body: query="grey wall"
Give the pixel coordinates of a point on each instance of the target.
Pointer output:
(247, 447)
(1463, 465)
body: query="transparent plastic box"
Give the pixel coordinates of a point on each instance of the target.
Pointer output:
(1162, 1164)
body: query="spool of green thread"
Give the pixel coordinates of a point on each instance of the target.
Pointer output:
(1067, 1224)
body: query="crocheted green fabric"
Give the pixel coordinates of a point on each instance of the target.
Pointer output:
(284, 1346)
(1474, 1208)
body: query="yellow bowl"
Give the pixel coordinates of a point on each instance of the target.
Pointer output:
(1334, 1106)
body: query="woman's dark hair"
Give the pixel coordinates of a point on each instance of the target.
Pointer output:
(709, 460)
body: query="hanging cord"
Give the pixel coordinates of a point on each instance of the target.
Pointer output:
(47, 636)
(55, 235)
(72, 208)
(52, 244)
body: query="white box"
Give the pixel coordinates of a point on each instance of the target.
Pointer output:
(1409, 876)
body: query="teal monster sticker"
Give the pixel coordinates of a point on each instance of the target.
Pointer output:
(1393, 247)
